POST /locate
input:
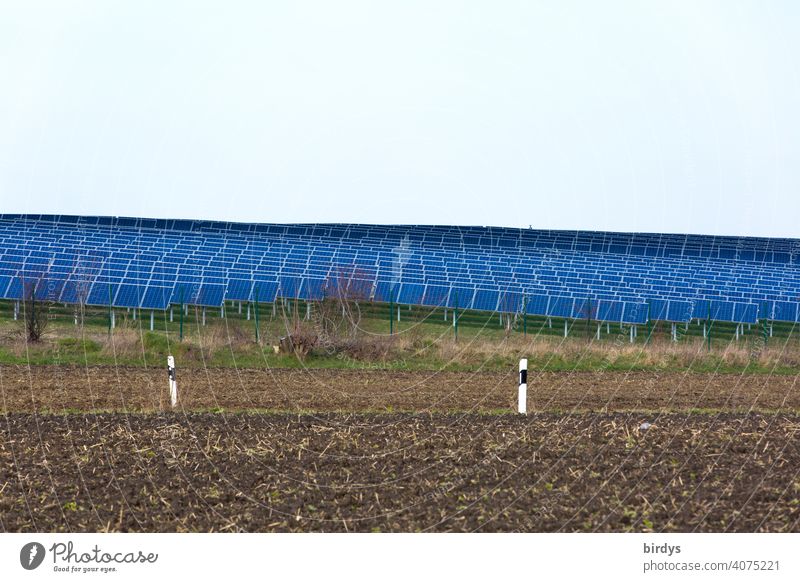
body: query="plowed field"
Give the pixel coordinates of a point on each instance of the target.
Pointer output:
(399, 472)
(331, 450)
(136, 389)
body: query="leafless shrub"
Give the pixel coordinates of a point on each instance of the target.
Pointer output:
(367, 348)
(36, 302)
(338, 313)
(300, 342)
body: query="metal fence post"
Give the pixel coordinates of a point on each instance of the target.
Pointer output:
(455, 318)
(182, 311)
(524, 316)
(258, 336)
(110, 310)
(589, 318)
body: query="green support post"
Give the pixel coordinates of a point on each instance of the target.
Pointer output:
(110, 309)
(181, 318)
(524, 316)
(33, 302)
(708, 327)
(258, 337)
(764, 330)
(455, 318)
(589, 319)
(649, 326)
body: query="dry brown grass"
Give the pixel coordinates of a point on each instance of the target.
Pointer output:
(126, 341)
(658, 354)
(132, 342)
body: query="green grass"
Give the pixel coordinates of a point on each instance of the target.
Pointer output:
(423, 341)
(191, 356)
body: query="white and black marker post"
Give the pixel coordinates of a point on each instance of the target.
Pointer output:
(522, 398)
(173, 384)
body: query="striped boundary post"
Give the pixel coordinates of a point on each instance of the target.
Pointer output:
(173, 383)
(522, 396)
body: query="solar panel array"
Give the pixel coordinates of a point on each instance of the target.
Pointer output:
(152, 263)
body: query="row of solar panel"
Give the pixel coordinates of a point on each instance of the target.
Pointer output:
(534, 262)
(144, 280)
(213, 248)
(575, 283)
(740, 281)
(434, 258)
(418, 232)
(167, 280)
(656, 245)
(306, 254)
(149, 296)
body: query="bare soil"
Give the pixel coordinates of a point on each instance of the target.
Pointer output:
(330, 450)
(59, 388)
(399, 472)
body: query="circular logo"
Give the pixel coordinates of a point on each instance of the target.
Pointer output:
(31, 555)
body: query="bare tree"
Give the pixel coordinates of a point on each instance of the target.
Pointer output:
(339, 313)
(300, 338)
(35, 310)
(334, 311)
(589, 312)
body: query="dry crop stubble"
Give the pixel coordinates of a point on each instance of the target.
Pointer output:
(390, 472)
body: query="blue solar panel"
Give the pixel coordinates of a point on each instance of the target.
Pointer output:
(265, 291)
(679, 311)
(360, 289)
(411, 293)
(210, 294)
(291, 287)
(129, 295)
(50, 287)
(239, 289)
(786, 311)
(604, 276)
(722, 311)
(318, 289)
(635, 313)
(745, 312)
(460, 297)
(15, 288)
(5, 281)
(385, 292)
(585, 309)
(157, 297)
(508, 302)
(699, 309)
(561, 307)
(436, 295)
(610, 311)
(100, 294)
(487, 300)
(537, 304)
(658, 309)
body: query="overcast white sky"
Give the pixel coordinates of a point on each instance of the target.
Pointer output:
(640, 116)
